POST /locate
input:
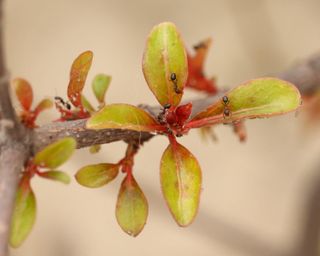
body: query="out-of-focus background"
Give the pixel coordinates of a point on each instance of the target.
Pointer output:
(254, 196)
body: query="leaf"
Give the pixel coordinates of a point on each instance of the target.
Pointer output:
(180, 176)
(164, 55)
(43, 105)
(263, 97)
(132, 207)
(56, 153)
(86, 104)
(78, 75)
(94, 149)
(97, 175)
(24, 215)
(56, 175)
(100, 86)
(24, 92)
(122, 116)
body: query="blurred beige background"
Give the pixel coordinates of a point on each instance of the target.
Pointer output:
(253, 194)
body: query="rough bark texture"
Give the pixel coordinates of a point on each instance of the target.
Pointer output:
(13, 151)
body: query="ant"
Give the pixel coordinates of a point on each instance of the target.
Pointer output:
(226, 110)
(173, 78)
(162, 114)
(59, 100)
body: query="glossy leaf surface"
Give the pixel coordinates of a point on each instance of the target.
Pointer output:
(164, 55)
(24, 216)
(56, 154)
(100, 86)
(97, 175)
(122, 116)
(132, 207)
(24, 92)
(180, 176)
(263, 97)
(78, 75)
(57, 176)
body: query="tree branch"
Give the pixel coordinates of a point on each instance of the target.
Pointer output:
(13, 150)
(305, 75)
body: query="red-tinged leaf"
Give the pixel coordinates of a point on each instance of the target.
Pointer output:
(24, 92)
(263, 97)
(122, 116)
(78, 75)
(43, 105)
(24, 215)
(165, 65)
(56, 153)
(132, 207)
(201, 54)
(56, 175)
(100, 86)
(97, 175)
(180, 176)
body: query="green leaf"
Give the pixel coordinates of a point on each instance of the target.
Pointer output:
(24, 92)
(87, 105)
(97, 175)
(164, 55)
(122, 116)
(132, 207)
(56, 175)
(263, 97)
(180, 176)
(100, 85)
(56, 153)
(24, 215)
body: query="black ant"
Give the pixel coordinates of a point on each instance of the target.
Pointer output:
(59, 100)
(162, 115)
(173, 78)
(226, 110)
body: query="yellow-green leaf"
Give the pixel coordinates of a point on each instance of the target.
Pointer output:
(43, 105)
(122, 116)
(97, 175)
(24, 92)
(56, 153)
(263, 97)
(180, 176)
(132, 207)
(78, 75)
(100, 85)
(164, 56)
(56, 175)
(87, 105)
(24, 215)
